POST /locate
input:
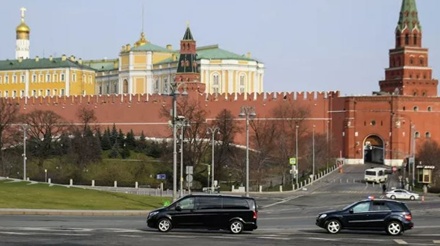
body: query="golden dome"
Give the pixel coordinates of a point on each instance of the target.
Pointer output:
(23, 28)
(141, 41)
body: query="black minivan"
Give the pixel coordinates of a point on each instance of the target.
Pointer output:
(233, 213)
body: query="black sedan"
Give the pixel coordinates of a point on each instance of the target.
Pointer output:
(394, 217)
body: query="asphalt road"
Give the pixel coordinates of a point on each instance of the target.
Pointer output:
(284, 219)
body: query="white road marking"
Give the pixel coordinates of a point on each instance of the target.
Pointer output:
(322, 239)
(400, 241)
(275, 238)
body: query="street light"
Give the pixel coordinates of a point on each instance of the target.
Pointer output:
(182, 123)
(213, 130)
(248, 113)
(174, 93)
(45, 175)
(313, 153)
(296, 156)
(25, 127)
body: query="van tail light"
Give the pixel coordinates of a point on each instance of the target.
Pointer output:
(255, 214)
(408, 217)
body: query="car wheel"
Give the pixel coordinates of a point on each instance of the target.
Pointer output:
(164, 225)
(393, 197)
(333, 226)
(394, 228)
(412, 198)
(236, 227)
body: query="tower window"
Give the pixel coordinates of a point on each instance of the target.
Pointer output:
(242, 84)
(429, 109)
(415, 39)
(407, 39)
(422, 61)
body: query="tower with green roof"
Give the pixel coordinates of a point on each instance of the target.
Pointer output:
(408, 73)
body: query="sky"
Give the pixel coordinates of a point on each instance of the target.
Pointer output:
(306, 45)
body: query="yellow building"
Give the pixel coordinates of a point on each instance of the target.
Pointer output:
(149, 68)
(46, 77)
(25, 77)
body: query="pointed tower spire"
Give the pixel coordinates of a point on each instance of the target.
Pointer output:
(408, 73)
(408, 30)
(187, 67)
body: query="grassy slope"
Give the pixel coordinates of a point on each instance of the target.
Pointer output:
(43, 196)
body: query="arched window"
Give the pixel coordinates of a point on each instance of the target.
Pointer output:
(215, 83)
(125, 86)
(415, 39)
(428, 135)
(417, 134)
(406, 39)
(242, 83)
(416, 108)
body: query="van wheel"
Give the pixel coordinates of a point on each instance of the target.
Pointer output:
(164, 225)
(236, 227)
(412, 198)
(333, 226)
(394, 228)
(393, 197)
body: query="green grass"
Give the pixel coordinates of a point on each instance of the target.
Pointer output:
(42, 196)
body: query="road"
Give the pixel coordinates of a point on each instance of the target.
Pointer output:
(284, 219)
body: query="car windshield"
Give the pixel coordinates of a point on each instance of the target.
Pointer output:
(347, 207)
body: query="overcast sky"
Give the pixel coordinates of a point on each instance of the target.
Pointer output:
(306, 45)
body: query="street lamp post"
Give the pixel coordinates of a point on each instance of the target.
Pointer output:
(45, 175)
(313, 153)
(175, 91)
(247, 112)
(296, 156)
(213, 130)
(25, 128)
(183, 124)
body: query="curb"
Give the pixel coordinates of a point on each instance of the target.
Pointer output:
(74, 212)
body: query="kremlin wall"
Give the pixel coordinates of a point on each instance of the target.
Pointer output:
(383, 128)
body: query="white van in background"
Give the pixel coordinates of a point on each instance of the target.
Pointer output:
(376, 175)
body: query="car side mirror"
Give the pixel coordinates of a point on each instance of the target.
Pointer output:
(178, 208)
(350, 211)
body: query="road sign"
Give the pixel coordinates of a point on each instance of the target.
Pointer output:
(292, 161)
(189, 169)
(189, 178)
(161, 176)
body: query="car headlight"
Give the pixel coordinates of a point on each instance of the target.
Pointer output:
(322, 216)
(152, 214)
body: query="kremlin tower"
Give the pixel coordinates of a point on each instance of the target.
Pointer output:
(22, 42)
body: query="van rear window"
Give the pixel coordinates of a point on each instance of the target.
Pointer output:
(372, 173)
(235, 203)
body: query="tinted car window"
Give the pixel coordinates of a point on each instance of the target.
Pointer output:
(209, 202)
(379, 206)
(398, 207)
(187, 203)
(235, 203)
(361, 207)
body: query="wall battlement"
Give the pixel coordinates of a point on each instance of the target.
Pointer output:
(163, 98)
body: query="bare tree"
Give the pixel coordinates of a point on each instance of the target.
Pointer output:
(87, 116)
(429, 154)
(288, 116)
(45, 127)
(228, 128)
(264, 137)
(9, 114)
